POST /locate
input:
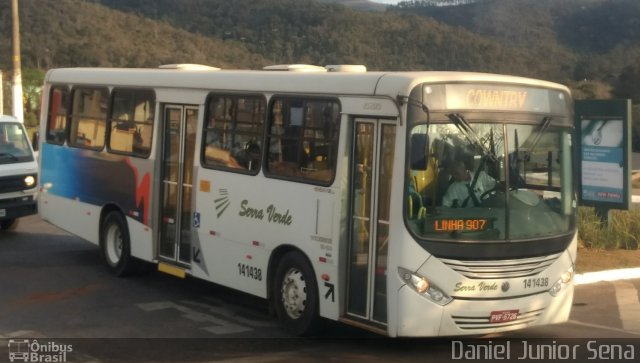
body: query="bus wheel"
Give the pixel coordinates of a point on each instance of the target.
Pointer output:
(295, 295)
(9, 224)
(115, 244)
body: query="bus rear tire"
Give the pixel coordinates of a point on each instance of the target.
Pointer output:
(116, 245)
(295, 295)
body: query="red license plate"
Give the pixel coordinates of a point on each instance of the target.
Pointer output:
(502, 316)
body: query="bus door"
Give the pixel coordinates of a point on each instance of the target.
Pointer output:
(371, 171)
(176, 192)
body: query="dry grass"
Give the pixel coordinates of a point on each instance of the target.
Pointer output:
(612, 246)
(622, 231)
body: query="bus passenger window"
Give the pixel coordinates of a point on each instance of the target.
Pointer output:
(303, 139)
(131, 121)
(232, 136)
(58, 114)
(88, 117)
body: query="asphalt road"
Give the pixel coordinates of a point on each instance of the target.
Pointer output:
(55, 291)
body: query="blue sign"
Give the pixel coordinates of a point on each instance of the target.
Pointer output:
(602, 160)
(603, 135)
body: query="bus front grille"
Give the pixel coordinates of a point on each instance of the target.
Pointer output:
(502, 269)
(484, 322)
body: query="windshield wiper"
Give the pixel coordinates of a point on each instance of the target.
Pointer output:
(544, 125)
(489, 153)
(469, 133)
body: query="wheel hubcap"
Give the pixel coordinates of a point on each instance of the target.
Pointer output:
(114, 244)
(294, 293)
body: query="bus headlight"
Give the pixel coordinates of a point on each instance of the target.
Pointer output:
(422, 286)
(30, 181)
(564, 280)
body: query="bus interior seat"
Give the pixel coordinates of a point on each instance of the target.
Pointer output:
(419, 152)
(422, 173)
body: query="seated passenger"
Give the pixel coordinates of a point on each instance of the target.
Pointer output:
(457, 194)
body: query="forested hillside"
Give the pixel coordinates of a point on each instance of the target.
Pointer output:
(294, 31)
(246, 33)
(602, 35)
(57, 33)
(591, 45)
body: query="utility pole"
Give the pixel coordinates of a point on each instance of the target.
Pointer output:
(1, 94)
(18, 110)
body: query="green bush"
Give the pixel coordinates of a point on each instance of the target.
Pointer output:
(621, 232)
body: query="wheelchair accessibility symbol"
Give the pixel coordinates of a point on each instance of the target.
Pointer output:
(196, 219)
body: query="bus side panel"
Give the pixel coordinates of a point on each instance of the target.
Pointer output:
(79, 182)
(240, 225)
(230, 250)
(141, 237)
(75, 217)
(238, 265)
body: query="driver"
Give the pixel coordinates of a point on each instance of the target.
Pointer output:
(457, 194)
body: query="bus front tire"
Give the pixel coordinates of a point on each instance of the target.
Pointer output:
(116, 245)
(295, 295)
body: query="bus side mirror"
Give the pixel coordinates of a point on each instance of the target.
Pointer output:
(35, 138)
(419, 154)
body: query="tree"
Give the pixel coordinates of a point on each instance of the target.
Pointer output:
(628, 83)
(33, 79)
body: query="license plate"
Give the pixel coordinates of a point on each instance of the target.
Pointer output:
(3, 212)
(502, 316)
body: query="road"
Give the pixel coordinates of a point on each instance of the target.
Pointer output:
(55, 286)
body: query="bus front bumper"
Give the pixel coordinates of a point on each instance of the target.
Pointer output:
(420, 317)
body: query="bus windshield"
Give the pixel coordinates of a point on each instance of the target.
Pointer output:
(489, 179)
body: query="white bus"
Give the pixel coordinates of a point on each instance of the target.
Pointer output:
(329, 192)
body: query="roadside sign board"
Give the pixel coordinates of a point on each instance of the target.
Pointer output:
(603, 153)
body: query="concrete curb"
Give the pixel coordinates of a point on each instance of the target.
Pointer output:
(610, 275)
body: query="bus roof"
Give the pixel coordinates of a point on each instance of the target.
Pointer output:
(356, 83)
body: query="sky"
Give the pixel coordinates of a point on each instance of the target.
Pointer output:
(386, 1)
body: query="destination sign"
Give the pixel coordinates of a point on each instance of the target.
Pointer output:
(497, 98)
(490, 97)
(469, 225)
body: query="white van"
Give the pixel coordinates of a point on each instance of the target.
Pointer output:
(18, 173)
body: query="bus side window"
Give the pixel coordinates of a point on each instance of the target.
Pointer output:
(303, 139)
(232, 135)
(58, 115)
(88, 117)
(131, 121)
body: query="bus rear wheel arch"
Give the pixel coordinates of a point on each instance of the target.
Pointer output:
(115, 244)
(295, 294)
